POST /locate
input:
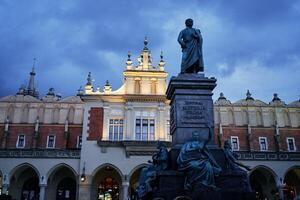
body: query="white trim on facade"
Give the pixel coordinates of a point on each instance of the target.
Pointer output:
(18, 141)
(294, 144)
(263, 143)
(235, 140)
(48, 138)
(79, 142)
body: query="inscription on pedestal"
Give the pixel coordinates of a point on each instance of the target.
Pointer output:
(192, 112)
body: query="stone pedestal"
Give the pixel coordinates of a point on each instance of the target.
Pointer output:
(191, 107)
(192, 110)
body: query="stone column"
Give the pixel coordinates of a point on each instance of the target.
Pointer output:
(5, 188)
(42, 191)
(125, 186)
(161, 135)
(128, 122)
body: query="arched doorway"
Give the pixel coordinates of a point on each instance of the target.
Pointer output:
(31, 189)
(292, 183)
(24, 183)
(263, 183)
(66, 189)
(107, 184)
(134, 181)
(61, 184)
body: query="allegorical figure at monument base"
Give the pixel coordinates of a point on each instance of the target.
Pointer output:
(191, 41)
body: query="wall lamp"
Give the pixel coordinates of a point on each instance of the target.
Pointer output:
(82, 177)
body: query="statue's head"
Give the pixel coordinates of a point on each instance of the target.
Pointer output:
(189, 22)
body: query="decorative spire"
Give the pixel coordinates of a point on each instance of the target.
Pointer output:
(107, 87)
(89, 79)
(31, 86)
(222, 96)
(248, 96)
(145, 44)
(275, 97)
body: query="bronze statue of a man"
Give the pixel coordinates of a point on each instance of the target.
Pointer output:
(191, 41)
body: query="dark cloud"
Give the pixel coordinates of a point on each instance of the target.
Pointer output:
(71, 38)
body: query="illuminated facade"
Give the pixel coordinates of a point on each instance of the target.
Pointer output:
(93, 145)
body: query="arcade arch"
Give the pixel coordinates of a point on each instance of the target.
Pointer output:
(24, 182)
(291, 187)
(61, 183)
(134, 177)
(263, 183)
(107, 183)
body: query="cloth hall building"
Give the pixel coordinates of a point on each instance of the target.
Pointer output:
(94, 145)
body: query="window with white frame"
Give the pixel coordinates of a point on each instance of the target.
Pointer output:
(21, 141)
(144, 129)
(79, 141)
(235, 143)
(291, 144)
(116, 129)
(51, 141)
(263, 143)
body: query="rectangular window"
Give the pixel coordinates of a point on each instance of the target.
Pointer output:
(235, 143)
(21, 141)
(145, 130)
(51, 141)
(138, 129)
(291, 144)
(263, 143)
(116, 129)
(79, 142)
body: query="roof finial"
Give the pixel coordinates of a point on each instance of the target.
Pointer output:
(275, 97)
(145, 43)
(248, 95)
(161, 62)
(129, 61)
(222, 96)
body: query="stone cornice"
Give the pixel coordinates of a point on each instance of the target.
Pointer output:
(145, 98)
(133, 148)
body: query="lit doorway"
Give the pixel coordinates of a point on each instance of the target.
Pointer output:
(108, 189)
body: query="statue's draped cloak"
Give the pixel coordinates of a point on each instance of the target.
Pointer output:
(192, 58)
(194, 160)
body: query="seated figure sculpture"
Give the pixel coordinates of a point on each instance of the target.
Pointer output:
(232, 164)
(149, 173)
(198, 164)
